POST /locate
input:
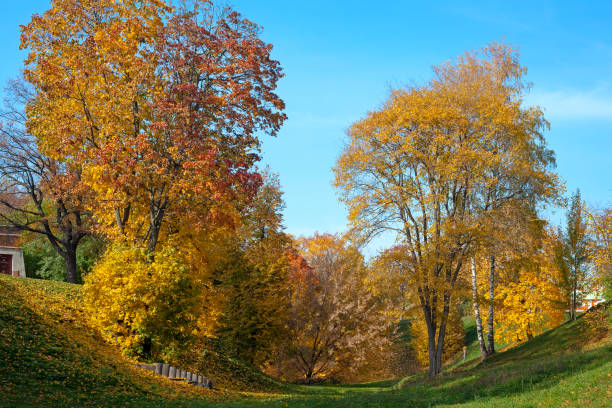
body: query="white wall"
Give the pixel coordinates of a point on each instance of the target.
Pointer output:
(18, 264)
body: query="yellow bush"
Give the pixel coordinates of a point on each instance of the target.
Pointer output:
(529, 306)
(146, 306)
(597, 321)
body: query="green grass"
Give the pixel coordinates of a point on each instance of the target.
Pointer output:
(50, 358)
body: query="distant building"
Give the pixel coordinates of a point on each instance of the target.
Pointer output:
(11, 255)
(590, 300)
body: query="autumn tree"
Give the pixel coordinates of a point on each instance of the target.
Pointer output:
(162, 110)
(334, 317)
(254, 279)
(600, 230)
(164, 303)
(575, 252)
(160, 107)
(38, 194)
(422, 167)
(531, 297)
(509, 234)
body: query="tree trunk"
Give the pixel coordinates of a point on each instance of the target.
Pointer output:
(481, 342)
(436, 348)
(442, 334)
(152, 239)
(308, 376)
(279, 367)
(573, 311)
(431, 346)
(147, 346)
(528, 332)
(72, 274)
(491, 334)
(157, 211)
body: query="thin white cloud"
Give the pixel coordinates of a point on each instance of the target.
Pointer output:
(574, 105)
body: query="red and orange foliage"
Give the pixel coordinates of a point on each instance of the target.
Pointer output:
(160, 107)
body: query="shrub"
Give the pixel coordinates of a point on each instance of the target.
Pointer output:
(148, 306)
(597, 320)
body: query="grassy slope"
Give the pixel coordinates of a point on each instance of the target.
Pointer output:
(49, 358)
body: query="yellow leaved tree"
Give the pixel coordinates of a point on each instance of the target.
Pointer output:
(435, 160)
(531, 297)
(162, 308)
(600, 229)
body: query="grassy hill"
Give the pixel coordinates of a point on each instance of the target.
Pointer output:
(49, 357)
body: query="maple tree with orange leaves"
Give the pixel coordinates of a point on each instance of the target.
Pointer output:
(160, 107)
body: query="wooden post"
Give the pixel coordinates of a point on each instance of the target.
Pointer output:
(188, 376)
(165, 369)
(210, 383)
(172, 372)
(158, 368)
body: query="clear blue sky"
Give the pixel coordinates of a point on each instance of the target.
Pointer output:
(342, 57)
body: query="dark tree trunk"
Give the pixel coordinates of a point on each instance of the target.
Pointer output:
(279, 367)
(147, 346)
(442, 335)
(152, 241)
(431, 345)
(157, 212)
(435, 346)
(529, 334)
(72, 274)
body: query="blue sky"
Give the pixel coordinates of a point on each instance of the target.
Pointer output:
(341, 58)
